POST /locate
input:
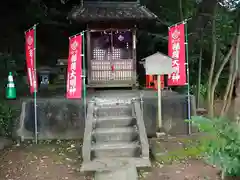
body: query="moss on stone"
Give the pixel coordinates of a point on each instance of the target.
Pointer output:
(178, 155)
(190, 148)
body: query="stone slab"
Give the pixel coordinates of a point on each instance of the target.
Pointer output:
(126, 134)
(127, 173)
(108, 164)
(116, 149)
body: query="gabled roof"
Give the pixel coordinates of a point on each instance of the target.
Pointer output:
(110, 11)
(142, 61)
(158, 63)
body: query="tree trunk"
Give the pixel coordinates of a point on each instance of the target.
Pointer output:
(212, 82)
(214, 52)
(232, 78)
(199, 72)
(228, 88)
(229, 100)
(215, 82)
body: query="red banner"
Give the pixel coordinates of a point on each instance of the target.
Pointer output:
(30, 58)
(74, 79)
(176, 50)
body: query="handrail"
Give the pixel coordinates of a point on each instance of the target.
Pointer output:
(88, 132)
(141, 127)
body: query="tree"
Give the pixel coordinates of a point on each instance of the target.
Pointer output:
(230, 58)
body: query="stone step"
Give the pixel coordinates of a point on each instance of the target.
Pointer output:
(112, 103)
(114, 121)
(114, 137)
(116, 149)
(118, 110)
(108, 164)
(127, 134)
(129, 172)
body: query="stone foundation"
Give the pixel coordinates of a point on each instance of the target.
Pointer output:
(60, 118)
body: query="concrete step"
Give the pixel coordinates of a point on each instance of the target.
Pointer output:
(114, 137)
(129, 172)
(114, 110)
(113, 104)
(114, 121)
(116, 149)
(108, 164)
(127, 134)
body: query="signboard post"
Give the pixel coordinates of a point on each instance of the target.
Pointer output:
(159, 101)
(158, 64)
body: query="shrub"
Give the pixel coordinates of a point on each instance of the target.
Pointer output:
(7, 117)
(222, 147)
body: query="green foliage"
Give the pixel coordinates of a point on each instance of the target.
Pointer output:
(202, 88)
(226, 27)
(7, 117)
(221, 148)
(192, 151)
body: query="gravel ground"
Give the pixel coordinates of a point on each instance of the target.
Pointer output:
(61, 160)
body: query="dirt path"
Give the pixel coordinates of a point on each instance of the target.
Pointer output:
(61, 160)
(187, 170)
(38, 162)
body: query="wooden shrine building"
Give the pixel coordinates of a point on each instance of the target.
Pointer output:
(111, 40)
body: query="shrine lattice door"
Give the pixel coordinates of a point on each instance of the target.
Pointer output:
(112, 63)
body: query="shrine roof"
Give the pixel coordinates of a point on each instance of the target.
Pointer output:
(110, 11)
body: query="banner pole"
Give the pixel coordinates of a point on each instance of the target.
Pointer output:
(185, 21)
(84, 75)
(35, 89)
(31, 28)
(188, 82)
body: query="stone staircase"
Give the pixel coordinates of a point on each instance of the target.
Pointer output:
(115, 139)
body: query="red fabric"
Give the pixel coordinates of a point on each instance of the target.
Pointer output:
(176, 50)
(74, 72)
(30, 58)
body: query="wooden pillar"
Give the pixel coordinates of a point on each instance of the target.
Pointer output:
(134, 39)
(89, 55)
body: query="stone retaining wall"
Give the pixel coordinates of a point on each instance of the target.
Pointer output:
(59, 118)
